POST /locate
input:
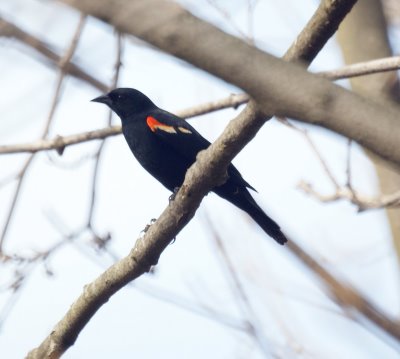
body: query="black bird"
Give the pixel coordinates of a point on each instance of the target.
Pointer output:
(166, 146)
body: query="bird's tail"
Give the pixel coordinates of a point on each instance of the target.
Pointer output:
(246, 202)
(266, 223)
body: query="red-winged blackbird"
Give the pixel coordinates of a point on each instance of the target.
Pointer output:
(166, 146)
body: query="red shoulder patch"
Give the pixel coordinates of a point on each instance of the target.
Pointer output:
(155, 125)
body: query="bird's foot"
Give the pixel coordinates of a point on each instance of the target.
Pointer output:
(148, 225)
(152, 221)
(173, 195)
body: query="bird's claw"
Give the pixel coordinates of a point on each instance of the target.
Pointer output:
(148, 225)
(173, 195)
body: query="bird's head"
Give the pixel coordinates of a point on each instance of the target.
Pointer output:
(126, 102)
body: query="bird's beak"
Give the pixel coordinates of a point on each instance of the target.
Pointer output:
(103, 99)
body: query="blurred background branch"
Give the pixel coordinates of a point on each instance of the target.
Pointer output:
(368, 18)
(260, 301)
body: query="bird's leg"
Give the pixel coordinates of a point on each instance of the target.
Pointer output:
(173, 195)
(148, 225)
(152, 221)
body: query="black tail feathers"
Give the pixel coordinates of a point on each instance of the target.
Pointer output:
(267, 224)
(242, 198)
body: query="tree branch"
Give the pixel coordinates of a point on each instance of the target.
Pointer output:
(8, 29)
(233, 101)
(345, 295)
(363, 68)
(208, 171)
(278, 87)
(62, 64)
(362, 202)
(60, 142)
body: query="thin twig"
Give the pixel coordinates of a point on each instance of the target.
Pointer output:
(11, 30)
(26, 266)
(227, 16)
(99, 152)
(314, 148)
(349, 183)
(148, 249)
(363, 68)
(232, 101)
(347, 191)
(254, 327)
(348, 164)
(62, 64)
(59, 143)
(347, 297)
(362, 202)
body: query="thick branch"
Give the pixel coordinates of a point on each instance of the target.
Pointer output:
(369, 19)
(60, 142)
(278, 87)
(207, 172)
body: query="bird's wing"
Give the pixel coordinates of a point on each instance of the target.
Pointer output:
(184, 138)
(177, 133)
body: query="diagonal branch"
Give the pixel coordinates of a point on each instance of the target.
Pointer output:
(208, 171)
(346, 296)
(254, 327)
(285, 89)
(233, 101)
(9, 29)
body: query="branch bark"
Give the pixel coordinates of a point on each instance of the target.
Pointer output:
(278, 87)
(235, 100)
(368, 18)
(207, 172)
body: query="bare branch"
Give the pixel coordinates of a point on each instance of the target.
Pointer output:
(254, 327)
(276, 91)
(233, 101)
(227, 16)
(345, 295)
(20, 178)
(208, 171)
(114, 83)
(363, 68)
(10, 30)
(314, 148)
(362, 202)
(60, 142)
(62, 64)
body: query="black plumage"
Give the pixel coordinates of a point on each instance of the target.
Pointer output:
(166, 146)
